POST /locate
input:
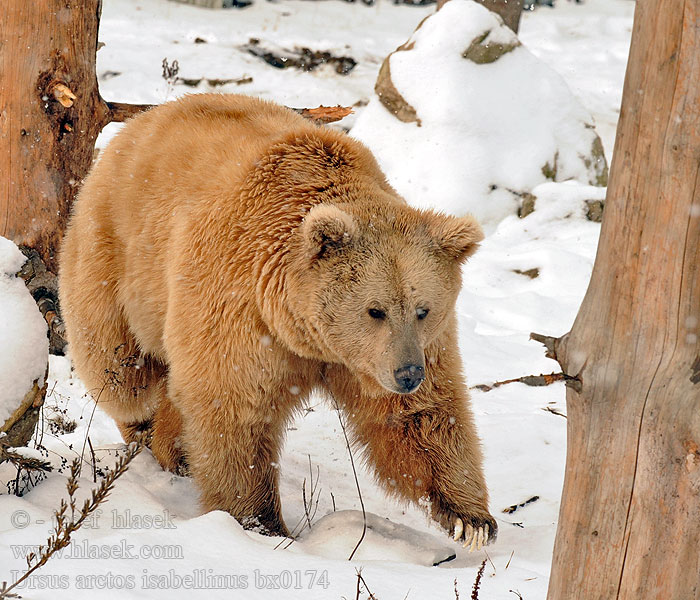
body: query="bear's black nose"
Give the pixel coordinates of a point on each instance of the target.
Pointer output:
(409, 377)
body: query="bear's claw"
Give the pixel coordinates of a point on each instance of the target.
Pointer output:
(475, 538)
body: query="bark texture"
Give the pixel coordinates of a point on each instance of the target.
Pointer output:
(629, 525)
(50, 115)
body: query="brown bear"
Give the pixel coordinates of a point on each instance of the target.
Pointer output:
(224, 258)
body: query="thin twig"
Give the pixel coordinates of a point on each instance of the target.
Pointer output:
(94, 461)
(310, 507)
(487, 556)
(308, 511)
(352, 464)
(92, 416)
(361, 580)
(303, 498)
(554, 411)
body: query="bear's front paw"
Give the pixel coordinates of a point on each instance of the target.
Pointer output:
(473, 531)
(474, 536)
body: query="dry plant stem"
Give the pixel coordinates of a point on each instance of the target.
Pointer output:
(361, 580)
(310, 508)
(354, 472)
(477, 581)
(63, 530)
(92, 416)
(94, 461)
(490, 561)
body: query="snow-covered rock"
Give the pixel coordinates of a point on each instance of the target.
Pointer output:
(25, 347)
(466, 119)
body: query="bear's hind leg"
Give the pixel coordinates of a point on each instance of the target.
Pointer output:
(128, 385)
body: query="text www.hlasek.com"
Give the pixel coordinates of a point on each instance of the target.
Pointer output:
(121, 551)
(172, 579)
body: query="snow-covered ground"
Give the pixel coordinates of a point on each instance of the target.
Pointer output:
(151, 539)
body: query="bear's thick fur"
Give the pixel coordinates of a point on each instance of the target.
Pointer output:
(224, 258)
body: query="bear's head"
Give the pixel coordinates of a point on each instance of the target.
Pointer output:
(379, 284)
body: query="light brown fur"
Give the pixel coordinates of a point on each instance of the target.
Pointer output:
(220, 264)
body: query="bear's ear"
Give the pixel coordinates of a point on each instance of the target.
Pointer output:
(326, 228)
(457, 237)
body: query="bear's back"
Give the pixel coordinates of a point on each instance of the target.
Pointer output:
(163, 170)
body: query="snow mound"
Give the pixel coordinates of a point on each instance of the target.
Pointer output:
(466, 119)
(25, 347)
(336, 534)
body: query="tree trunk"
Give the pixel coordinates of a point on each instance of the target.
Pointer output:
(629, 525)
(51, 113)
(510, 10)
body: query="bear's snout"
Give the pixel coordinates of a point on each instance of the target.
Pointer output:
(408, 378)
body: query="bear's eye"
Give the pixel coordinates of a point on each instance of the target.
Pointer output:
(421, 313)
(377, 313)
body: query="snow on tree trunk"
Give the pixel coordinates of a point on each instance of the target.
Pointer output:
(464, 107)
(629, 525)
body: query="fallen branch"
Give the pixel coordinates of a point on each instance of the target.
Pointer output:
(120, 112)
(513, 507)
(324, 114)
(303, 59)
(532, 380)
(19, 460)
